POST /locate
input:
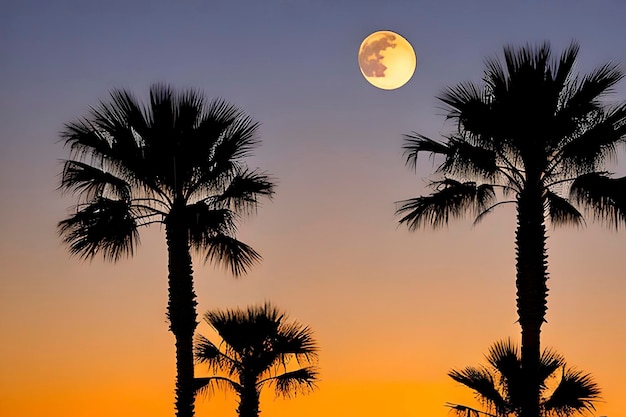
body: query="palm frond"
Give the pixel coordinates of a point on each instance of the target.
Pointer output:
(91, 182)
(561, 212)
(289, 384)
(562, 74)
(452, 199)
(479, 218)
(83, 137)
(161, 107)
(597, 142)
(604, 196)
(469, 161)
(414, 144)
(244, 190)
(237, 139)
(203, 168)
(188, 107)
(549, 362)
(113, 122)
(297, 340)
(593, 86)
(504, 357)
(207, 386)
(471, 107)
(482, 382)
(465, 411)
(103, 226)
(206, 222)
(132, 112)
(205, 352)
(575, 394)
(233, 254)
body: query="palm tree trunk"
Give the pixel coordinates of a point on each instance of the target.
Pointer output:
(249, 397)
(532, 290)
(181, 309)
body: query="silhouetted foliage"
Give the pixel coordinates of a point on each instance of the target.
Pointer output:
(258, 344)
(536, 135)
(176, 161)
(499, 386)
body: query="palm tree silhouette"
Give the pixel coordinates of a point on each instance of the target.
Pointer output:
(563, 391)
(532, 131)
(256, 348)
(177, 161)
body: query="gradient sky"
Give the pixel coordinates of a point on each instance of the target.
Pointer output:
(393, 311)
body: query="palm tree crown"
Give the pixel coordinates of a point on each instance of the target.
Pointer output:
(564, 391)
(257, 347)
(537, 136)
(133, 166)
(533, 122)
(177, 161)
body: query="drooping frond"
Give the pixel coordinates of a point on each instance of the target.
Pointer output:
(414, 144)
(482, 382)
(207, 353)
(207, 386)
(561, 212)
(452, 199)
(479, 218)
(460, 156)
(91, 182)
(460, 410)
(289, 384)
(206, 222)
(244, 190)
(468, 161)
(103, 226)
(604, 196)
(235, 255)
(575, 394)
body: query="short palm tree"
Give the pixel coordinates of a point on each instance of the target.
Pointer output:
(540, 135)
(177, 161)
(563, 391)
(256, 349)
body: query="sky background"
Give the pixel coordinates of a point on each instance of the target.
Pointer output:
(392, 311)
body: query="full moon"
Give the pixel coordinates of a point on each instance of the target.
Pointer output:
(387, 60)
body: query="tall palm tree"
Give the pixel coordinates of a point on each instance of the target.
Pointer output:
(563, 391)
(532, 132)
(177, 161)
(256, 348)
